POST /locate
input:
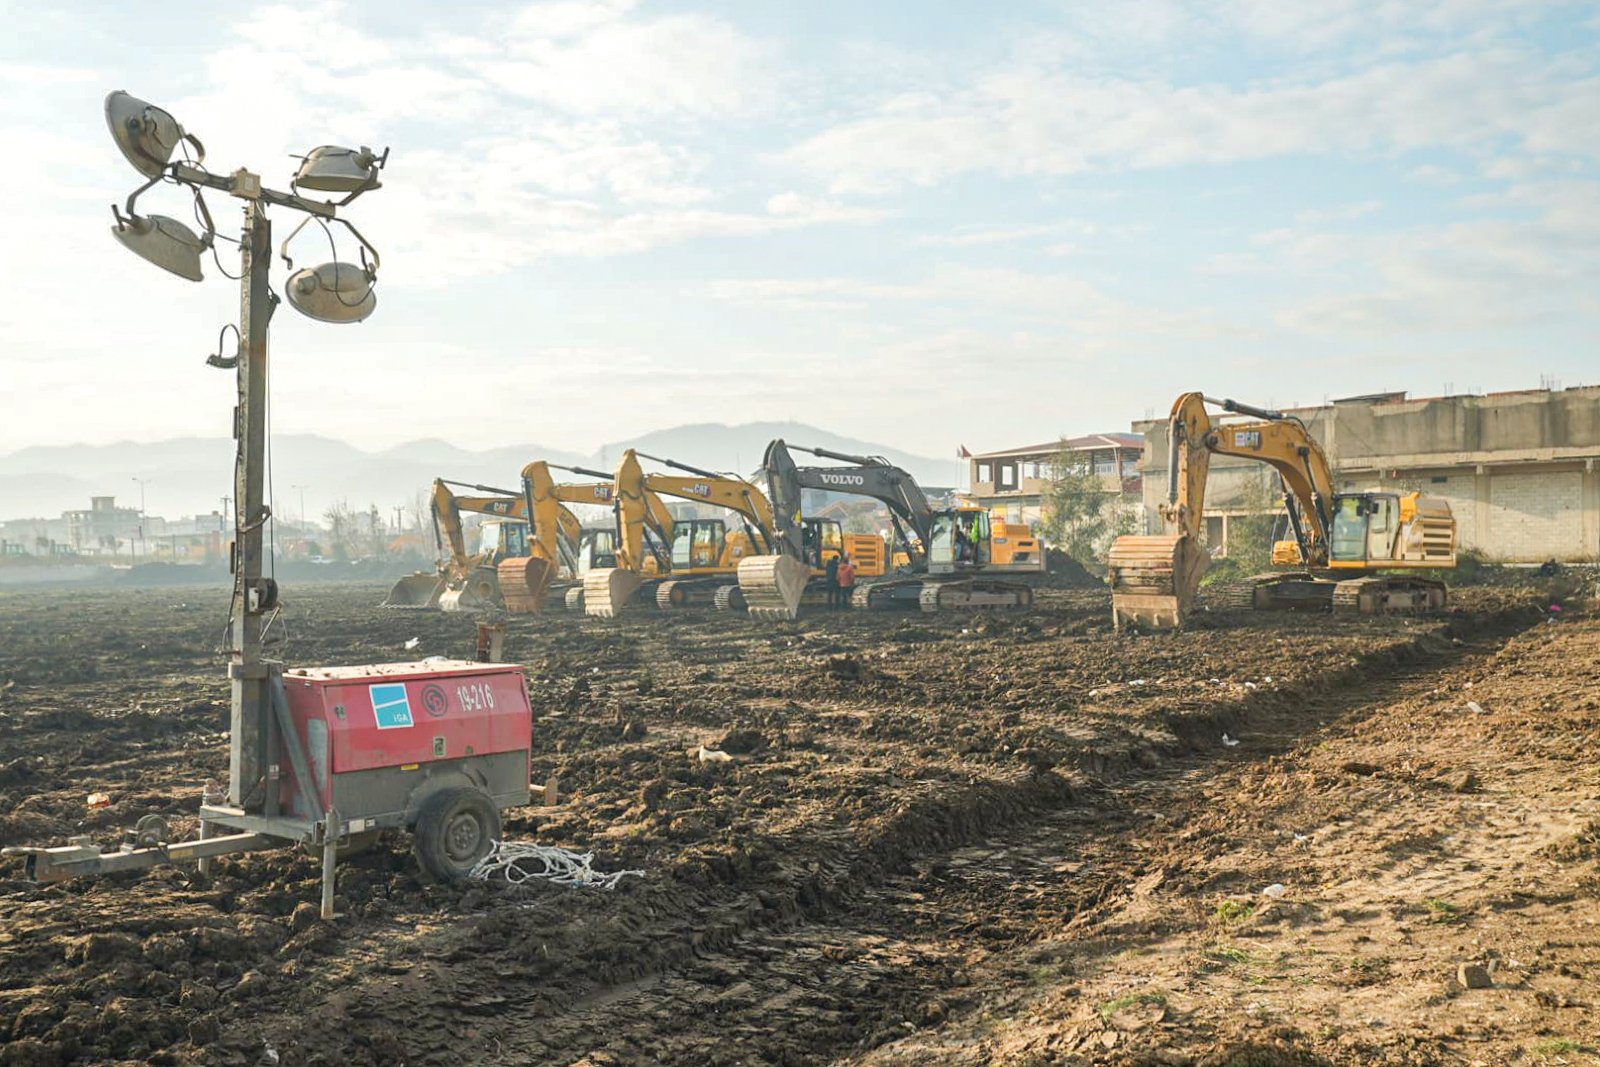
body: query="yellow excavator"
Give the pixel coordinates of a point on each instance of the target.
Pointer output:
(1340, 540)
(559, 542)
(463, 581)
(676, 561)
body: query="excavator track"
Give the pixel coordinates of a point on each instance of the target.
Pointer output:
(729, 598)
(573, 598)
(1388, 595)
(674, 595)
(974, 594)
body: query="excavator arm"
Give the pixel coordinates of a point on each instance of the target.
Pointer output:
(456, 564)
(1280, 441)
(870, 476)
(556, 533)
(719, 490)
(1154, 577)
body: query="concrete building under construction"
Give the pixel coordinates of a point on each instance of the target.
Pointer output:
(1521, 470)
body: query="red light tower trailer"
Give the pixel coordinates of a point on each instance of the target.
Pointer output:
(316, 756)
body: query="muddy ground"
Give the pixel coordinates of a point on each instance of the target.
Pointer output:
(1018, 840)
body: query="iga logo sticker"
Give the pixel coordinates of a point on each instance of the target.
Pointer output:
(390, 705)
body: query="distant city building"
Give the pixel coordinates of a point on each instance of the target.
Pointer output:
(108, 532)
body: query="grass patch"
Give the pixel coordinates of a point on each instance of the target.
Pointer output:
(1227, 954)
(1235, 911)
(1442, 911)
(1555, 1046)
(1132, 1000)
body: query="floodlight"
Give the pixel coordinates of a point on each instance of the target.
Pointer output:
(331, 169)
(146, 134)
(332, 292)
(166, 242)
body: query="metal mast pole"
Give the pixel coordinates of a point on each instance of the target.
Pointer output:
(252, 598)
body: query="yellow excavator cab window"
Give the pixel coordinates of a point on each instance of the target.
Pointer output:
(1349, 540)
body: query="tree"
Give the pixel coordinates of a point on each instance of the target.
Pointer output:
(1081, 516)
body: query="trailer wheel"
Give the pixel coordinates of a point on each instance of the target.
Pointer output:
(456, 829)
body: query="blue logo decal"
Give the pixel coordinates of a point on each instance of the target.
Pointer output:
(390, 706)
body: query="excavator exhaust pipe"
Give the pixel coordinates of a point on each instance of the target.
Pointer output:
(773, 585)
(416, 592)
(608, 590)
(1154, 580)
(524, 580)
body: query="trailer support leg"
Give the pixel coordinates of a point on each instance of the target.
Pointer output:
(205, 861)
(330, 858)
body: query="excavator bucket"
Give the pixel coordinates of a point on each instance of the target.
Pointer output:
(480, 592)
(1154, 579)
(773, 585)
(418, 591)
(607, 590)
(523, 583)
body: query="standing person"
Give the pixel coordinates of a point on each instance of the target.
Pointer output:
(847, 581)
(832, 570)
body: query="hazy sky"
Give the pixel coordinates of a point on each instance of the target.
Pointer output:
(918, 223)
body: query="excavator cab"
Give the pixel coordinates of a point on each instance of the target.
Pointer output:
(823, 540)
(597, 547)
(498, 540)
(960, 540)
(697, 544)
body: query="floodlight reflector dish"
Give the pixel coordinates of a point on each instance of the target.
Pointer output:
(332, 292)
(146, 135)
(331, 169)
(166, 242)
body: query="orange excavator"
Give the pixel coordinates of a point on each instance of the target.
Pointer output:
(1340, 540)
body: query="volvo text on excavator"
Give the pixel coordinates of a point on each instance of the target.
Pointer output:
(1339, 539)
(946, 548)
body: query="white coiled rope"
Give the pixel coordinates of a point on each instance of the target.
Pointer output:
(518, 862)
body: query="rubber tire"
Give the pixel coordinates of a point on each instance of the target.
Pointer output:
(456, 829)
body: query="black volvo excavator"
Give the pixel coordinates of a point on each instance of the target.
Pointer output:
(946, 548)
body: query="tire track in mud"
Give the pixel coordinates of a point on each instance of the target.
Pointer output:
(757, 955)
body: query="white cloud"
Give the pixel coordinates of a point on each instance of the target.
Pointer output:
(1046, 121)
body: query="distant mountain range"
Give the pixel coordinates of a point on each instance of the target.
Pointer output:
(190, 475)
